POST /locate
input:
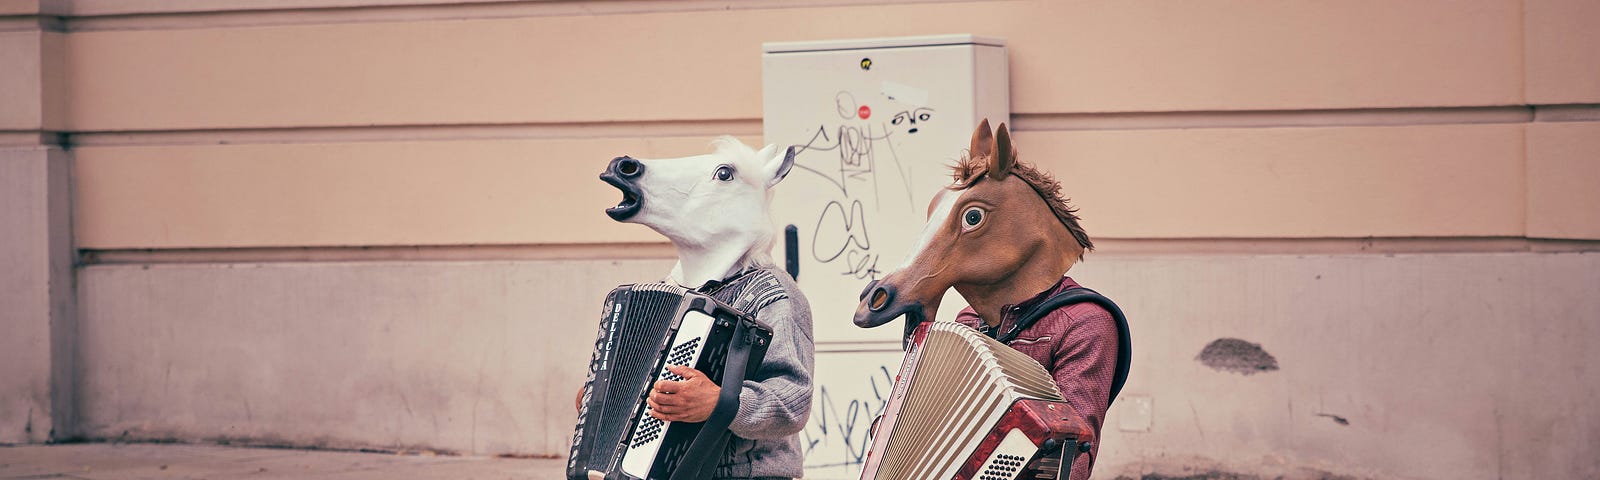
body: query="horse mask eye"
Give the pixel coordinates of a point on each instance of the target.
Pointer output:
(971, 218)
(724, 173)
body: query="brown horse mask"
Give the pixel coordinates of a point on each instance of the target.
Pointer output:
(999, 235)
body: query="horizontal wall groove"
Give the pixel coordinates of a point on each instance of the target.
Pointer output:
(108, 15)
(1337, 246)
(663, 251)
(599, 251)
(31, 23)
(1038, 122)
(28, 138)
(1589, 112)
(1358, 117)
(382, 133)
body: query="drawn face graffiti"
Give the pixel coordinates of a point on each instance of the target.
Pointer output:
(910, 118)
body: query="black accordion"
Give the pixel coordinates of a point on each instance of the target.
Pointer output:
(644, 328)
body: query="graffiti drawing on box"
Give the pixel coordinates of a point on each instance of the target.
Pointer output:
(856, 156)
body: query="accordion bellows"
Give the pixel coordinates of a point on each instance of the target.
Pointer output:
(967, 406)
(618, 381)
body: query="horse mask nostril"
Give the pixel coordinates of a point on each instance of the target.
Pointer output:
(628, 167)
(880, 299)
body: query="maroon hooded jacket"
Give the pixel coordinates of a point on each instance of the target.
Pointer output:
(1077, 344)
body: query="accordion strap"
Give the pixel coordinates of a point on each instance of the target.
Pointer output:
(1080, 295)
(706, 449)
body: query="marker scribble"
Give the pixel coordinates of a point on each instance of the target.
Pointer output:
(845, 433)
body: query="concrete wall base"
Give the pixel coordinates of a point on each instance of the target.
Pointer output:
(37, 324)
(469, 357)
(1391, 366)
(1418, 365)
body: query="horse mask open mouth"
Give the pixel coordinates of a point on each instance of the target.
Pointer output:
(621, 173)
(713, 207)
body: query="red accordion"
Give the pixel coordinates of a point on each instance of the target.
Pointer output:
(967, 407)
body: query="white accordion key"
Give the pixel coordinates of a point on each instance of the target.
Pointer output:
(1006, 462)
(646, 439)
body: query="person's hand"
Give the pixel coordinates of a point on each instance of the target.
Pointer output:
(577, 403)
(689, 400)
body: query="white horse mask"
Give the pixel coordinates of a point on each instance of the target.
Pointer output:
(713, 207)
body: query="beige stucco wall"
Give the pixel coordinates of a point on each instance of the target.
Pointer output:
(336, 226)
(1066, 59)
(481, 80)
(37, 324)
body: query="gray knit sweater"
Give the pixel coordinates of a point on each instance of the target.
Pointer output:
(774, 405)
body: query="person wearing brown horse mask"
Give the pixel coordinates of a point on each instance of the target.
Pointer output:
(1004, 237)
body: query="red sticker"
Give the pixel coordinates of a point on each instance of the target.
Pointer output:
(864, 112)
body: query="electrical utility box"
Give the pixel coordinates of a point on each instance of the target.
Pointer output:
(879, 121)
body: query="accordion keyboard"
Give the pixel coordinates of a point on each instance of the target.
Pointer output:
(647, 438)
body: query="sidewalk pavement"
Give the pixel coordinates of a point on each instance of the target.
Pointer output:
(97, 461)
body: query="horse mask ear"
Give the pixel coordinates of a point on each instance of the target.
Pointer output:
(1005, 154)
(982, 141)
(776, 165)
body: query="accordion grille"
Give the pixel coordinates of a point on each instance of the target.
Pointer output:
(636, 320)
(962, 383)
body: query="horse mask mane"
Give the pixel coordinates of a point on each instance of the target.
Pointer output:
(972, 168)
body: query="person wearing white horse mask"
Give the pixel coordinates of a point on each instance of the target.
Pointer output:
(714, 209)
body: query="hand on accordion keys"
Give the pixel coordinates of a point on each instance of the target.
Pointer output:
(689, 400)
